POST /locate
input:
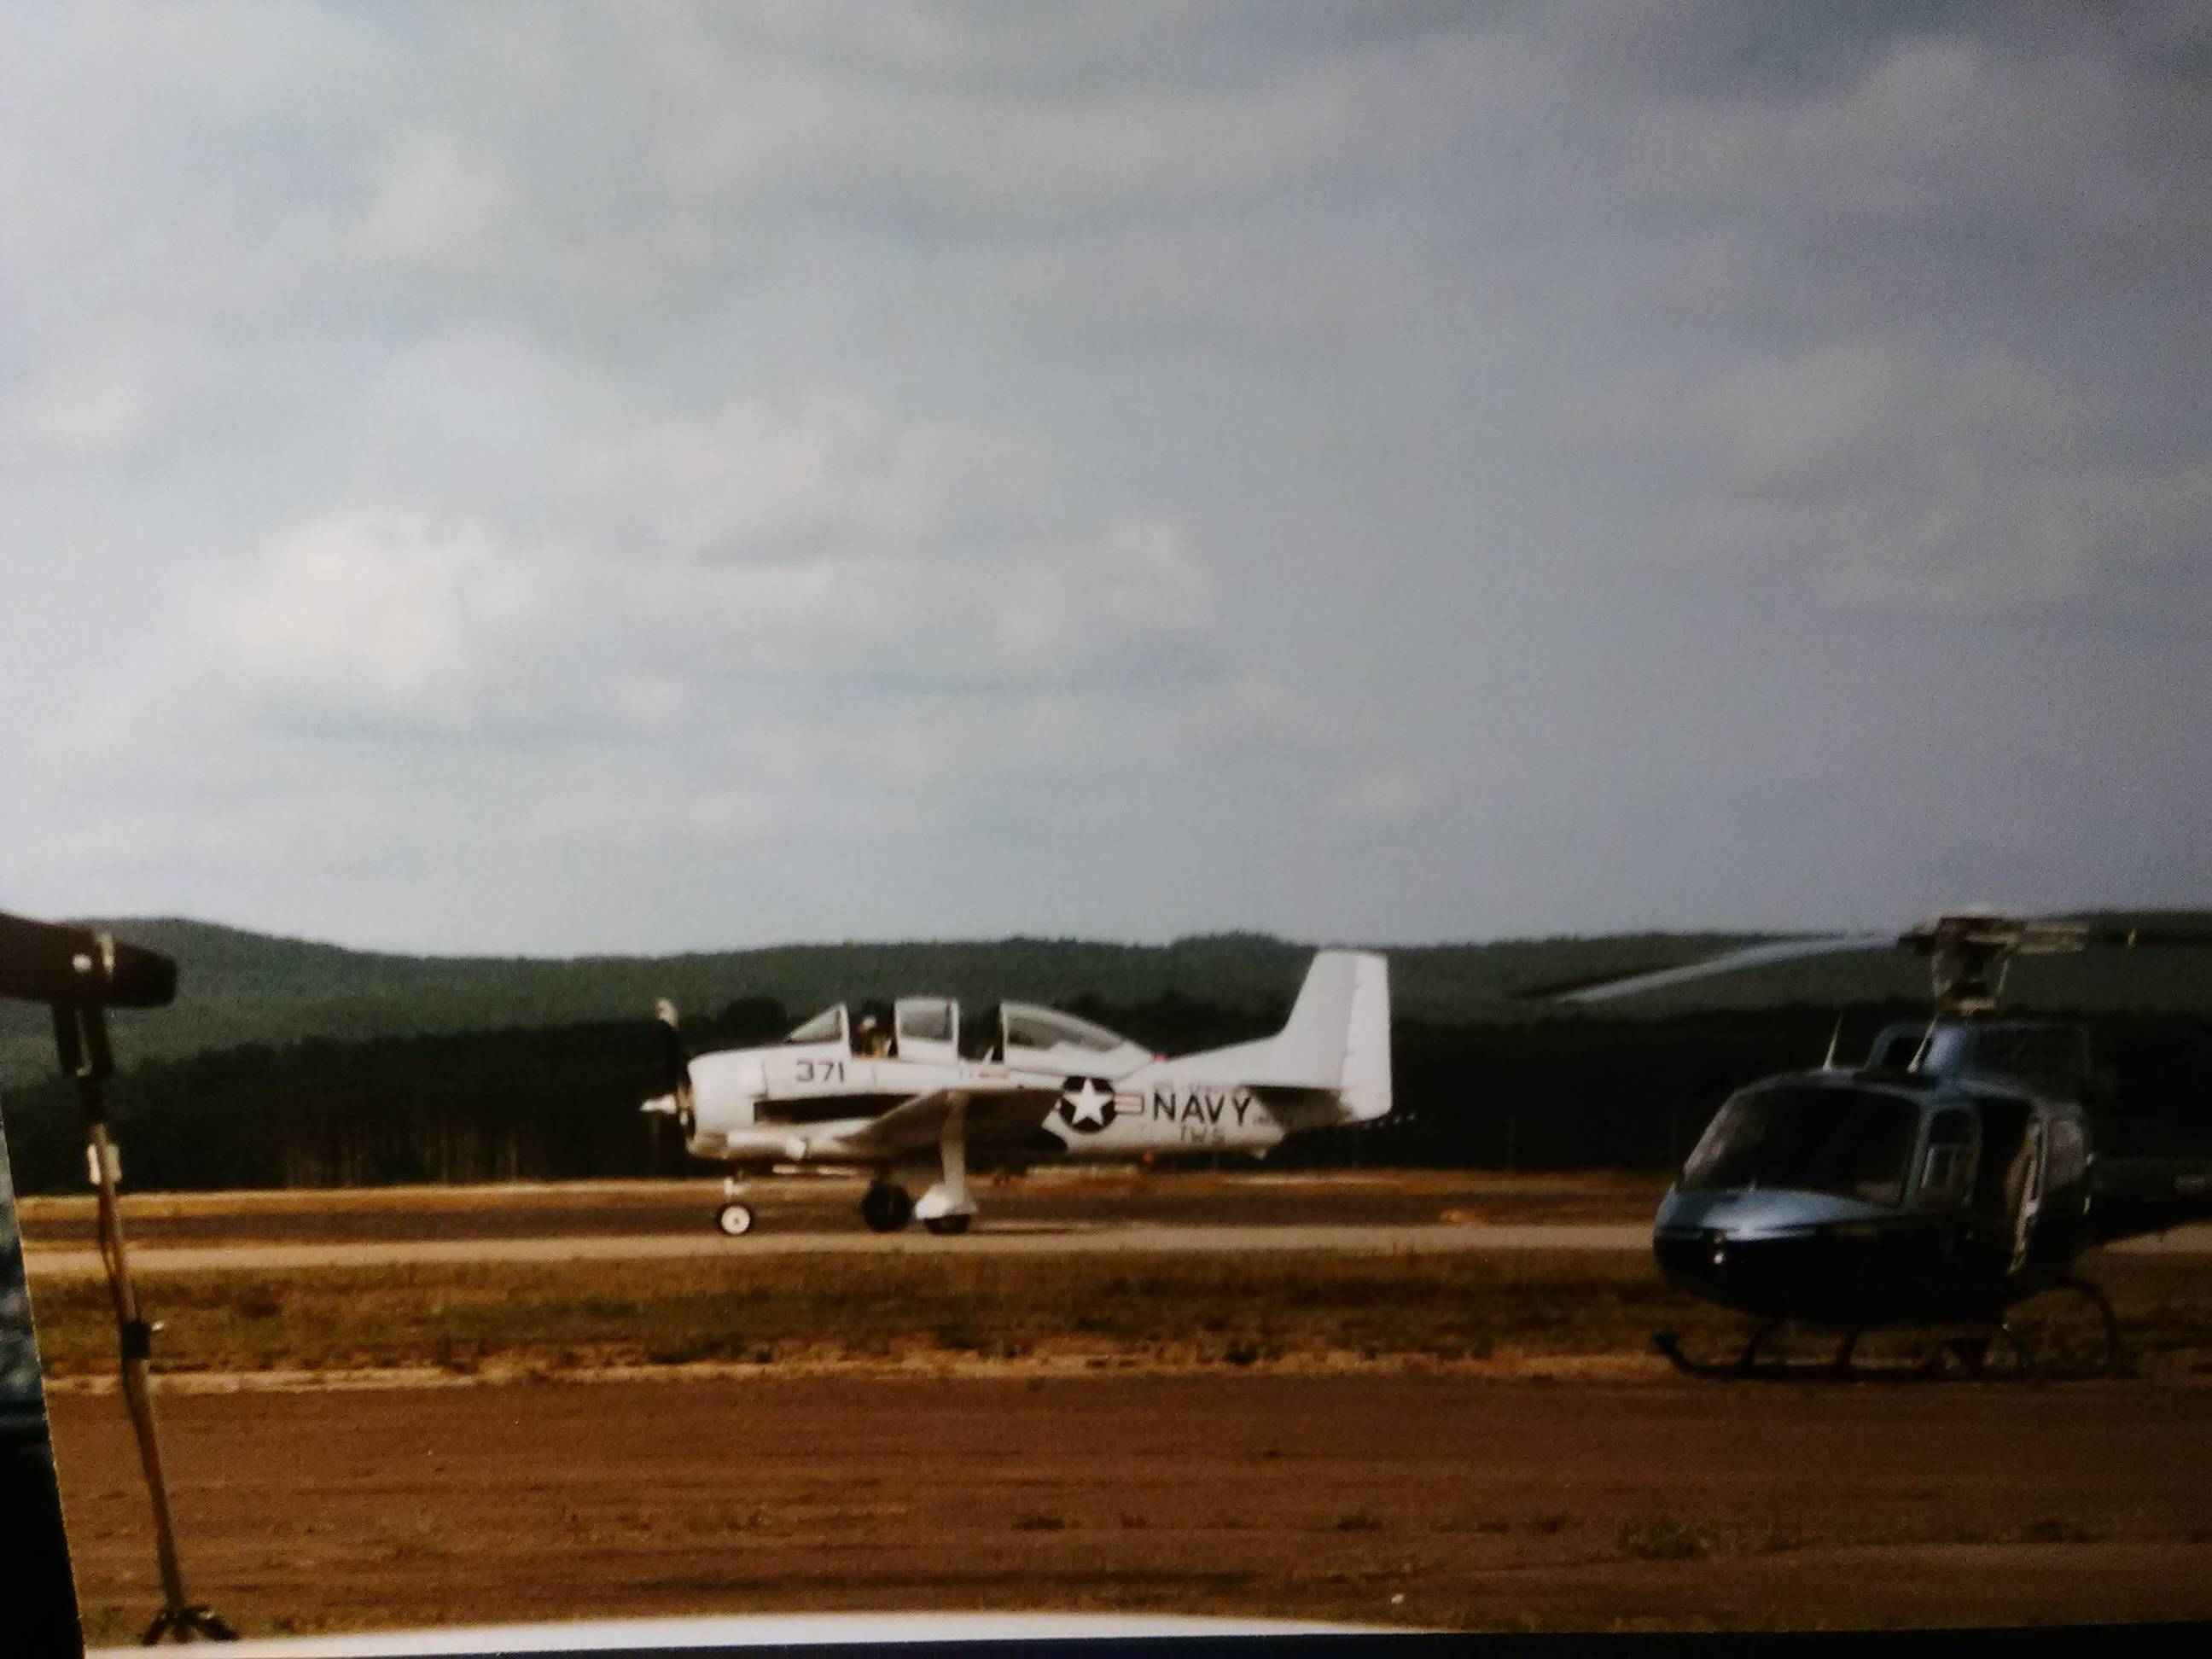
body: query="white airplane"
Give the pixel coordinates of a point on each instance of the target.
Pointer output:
(1047, 1085)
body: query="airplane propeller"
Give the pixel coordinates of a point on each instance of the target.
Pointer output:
(676, 1066)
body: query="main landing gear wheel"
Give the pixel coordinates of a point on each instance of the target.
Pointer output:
(734, 1219)
(947, 1226)
(886, 1208)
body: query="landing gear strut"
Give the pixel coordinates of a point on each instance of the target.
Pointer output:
(886, 1208)
(946, 1208)
(735, 1219)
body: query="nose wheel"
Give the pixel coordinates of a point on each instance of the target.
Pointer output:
(734, 1220)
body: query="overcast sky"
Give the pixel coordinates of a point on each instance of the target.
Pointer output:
(562, 478)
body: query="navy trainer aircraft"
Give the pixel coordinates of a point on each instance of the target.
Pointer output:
(918, 1106)
(1951, 1181)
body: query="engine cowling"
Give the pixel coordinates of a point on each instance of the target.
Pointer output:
(725, 1090)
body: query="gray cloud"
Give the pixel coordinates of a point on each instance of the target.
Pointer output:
(559, 480)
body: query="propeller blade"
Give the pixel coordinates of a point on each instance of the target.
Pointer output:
(675, 1064)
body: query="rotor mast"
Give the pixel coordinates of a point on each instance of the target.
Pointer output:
(1969, 954)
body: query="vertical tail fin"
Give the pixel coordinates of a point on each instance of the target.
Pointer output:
(1337, 1039)
(1366, 1085)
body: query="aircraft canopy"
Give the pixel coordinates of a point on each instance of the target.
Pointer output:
(1032, 1035)
(928, 1028)
(828, 1026)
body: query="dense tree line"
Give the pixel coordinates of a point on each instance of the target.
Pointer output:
(560, 1103)
(238, 988)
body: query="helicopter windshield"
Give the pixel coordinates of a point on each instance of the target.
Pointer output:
(1840, 1141)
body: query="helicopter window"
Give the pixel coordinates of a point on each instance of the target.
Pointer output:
(828, 1026)
(1823, 1141)
(1947, 1173)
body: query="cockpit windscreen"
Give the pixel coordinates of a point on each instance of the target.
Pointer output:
(1840, 1141)
(828, 1026)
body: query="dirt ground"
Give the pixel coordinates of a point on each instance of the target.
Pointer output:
(1433, 1502)
(1005, 1433)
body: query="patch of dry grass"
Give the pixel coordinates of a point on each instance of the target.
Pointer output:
(1229, 1310)
(1233, 1311)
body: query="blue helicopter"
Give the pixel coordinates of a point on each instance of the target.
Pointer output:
(1951, 1184)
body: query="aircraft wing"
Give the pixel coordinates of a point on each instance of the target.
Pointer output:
(989, 1116)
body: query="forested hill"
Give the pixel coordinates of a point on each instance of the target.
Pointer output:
(239, 987)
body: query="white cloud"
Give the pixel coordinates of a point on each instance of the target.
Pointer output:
(752, 476)
(750, 549)
(1135, 582)
(1884, 474)
(383, 614)
(106, 399)
(440, 205)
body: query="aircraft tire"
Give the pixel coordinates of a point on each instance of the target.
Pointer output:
(734, 1220)
(886, 1208)
(947, 1226)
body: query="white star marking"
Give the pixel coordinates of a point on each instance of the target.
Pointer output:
(1089, 1107)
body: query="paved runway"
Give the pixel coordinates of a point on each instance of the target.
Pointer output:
(1004, 1238)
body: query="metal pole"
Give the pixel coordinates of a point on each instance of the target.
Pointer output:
(81, 1034)
(137, 1351)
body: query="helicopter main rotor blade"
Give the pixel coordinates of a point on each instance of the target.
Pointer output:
(2135, 939)
(1754, 956)
(1967, 951)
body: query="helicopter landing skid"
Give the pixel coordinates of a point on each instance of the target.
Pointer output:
(1748, 1366)
(2065, 1333)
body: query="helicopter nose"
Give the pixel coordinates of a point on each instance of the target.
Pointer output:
(1752, 1272)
